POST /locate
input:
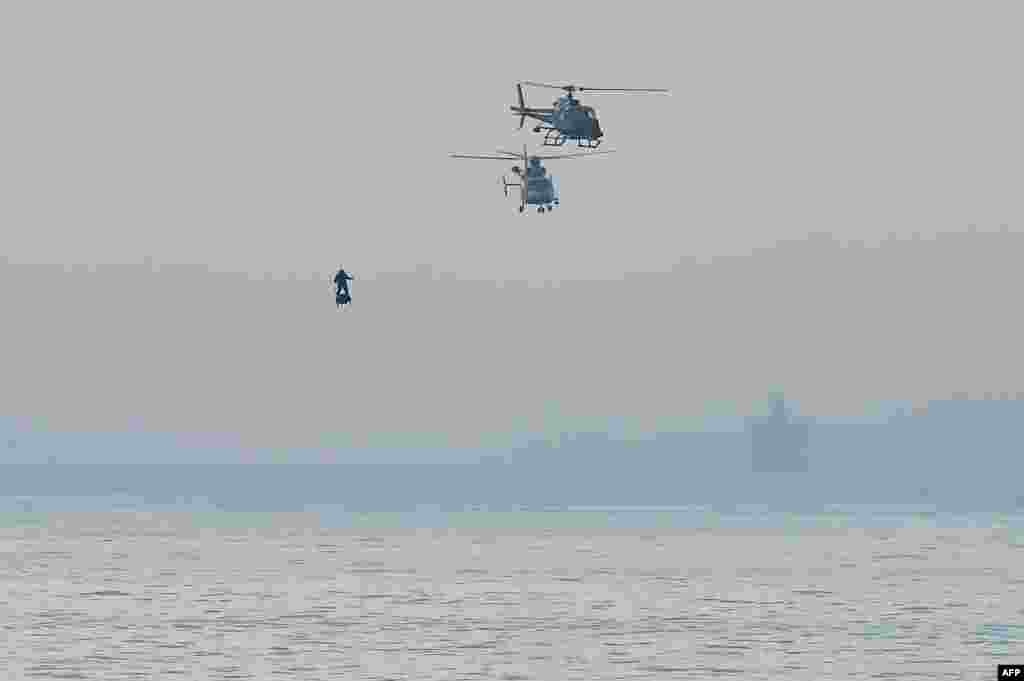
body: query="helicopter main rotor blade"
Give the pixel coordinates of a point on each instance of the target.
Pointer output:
(619, 89)
(547, 85)
(579, 155)
(583, 88)
(489, 158)
(510, 153)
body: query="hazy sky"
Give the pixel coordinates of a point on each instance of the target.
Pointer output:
(290, 137)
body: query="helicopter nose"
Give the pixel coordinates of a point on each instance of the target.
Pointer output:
(596, 131)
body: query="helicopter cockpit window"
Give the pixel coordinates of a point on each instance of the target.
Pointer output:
(588, 111)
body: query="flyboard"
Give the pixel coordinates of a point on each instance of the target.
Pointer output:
(342, 298)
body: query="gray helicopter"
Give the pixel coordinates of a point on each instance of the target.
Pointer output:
(568, 118)
(536, 186)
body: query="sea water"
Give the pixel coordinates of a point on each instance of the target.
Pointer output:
(204, 594)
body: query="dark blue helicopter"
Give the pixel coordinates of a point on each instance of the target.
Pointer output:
(536, 187)
(568, 119)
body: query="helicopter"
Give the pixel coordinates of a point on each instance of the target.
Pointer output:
(536, 187)
(568, 119)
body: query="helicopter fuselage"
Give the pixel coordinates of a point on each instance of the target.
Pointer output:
(568, 119)
(574, 120)
(540, 188)
(536, 187)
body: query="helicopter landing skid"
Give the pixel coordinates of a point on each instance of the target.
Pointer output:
(555, 138)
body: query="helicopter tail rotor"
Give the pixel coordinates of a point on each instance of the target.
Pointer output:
(523, 111)
(522, 105)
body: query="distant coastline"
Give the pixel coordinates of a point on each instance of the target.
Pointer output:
(957, 455)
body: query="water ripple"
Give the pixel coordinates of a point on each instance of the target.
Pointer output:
(144, 599)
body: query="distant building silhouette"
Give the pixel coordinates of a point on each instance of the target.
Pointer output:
(778, 444)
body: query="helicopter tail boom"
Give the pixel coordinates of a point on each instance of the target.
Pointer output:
(525, 112)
